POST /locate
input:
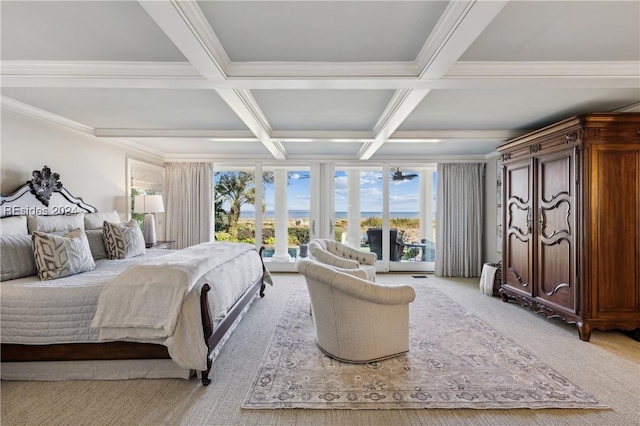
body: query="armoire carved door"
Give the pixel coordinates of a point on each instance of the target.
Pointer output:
(555, 229)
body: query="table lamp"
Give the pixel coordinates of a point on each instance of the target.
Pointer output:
(149, 204)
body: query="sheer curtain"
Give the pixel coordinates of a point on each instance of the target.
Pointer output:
(459, 220)
(189, 212)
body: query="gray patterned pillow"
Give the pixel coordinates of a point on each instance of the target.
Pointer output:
(16, 252)
(96, 243)
(123, 240)
(59, 256)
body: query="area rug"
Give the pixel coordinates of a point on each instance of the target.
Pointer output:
(455, 360)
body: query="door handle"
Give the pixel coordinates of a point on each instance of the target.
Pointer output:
(529, 220)
(540, 222)
(313, 227)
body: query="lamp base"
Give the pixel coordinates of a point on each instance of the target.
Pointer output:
(149, 229)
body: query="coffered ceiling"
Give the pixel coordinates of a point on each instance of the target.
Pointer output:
(309, 80)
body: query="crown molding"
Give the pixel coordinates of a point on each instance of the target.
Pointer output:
(543, 69)
(321, 69)
(135, 147)
(39, 114)
(98, 69)
(237, 135)
(470, 135)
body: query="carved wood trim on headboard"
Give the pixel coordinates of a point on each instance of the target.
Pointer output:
(23, 201)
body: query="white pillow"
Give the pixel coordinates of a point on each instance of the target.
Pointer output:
(61, 223)
(96, 220)
(15, 225)
(16, 255)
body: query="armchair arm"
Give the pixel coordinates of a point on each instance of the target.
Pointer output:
(354, 286)
(373, 292)
(332, 260)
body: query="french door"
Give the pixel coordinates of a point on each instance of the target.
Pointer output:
(389, 211)
(382, 208)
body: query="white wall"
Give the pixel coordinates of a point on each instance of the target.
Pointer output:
(490, 220)
(89, 168)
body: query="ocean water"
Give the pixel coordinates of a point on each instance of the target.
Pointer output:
(304, 214)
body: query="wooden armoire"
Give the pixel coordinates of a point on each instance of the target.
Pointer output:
(571, 221)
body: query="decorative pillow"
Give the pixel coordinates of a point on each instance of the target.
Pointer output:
(123, 240)
(16, 253)
(96, 243)
(96, 220)
(15, 225)
(63, 223)
(59, 256)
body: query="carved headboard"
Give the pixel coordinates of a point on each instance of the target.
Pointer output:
(44, 195)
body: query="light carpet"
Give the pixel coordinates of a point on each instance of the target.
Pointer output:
(455, 361)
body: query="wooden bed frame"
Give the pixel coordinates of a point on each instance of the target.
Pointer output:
(61, 201)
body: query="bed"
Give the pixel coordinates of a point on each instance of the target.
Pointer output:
(47, 325)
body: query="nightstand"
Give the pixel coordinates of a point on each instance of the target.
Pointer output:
(163, 245)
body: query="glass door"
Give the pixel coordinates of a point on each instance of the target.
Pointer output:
(412, 191)
(387, 210)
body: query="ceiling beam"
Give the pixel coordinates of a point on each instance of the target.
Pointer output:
(460, 24)
(185, 24)
(462, 75)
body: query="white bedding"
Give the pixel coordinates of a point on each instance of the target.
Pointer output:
(60, 311)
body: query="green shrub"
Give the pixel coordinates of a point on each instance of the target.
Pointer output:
(298, 235)
(371, 222)
(223, 236)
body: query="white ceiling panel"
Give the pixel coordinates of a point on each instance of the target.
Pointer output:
(525, 109)
(322, 148)
(561, 31)
(322, 109)
(449, 147)
(83, 31)
(134, 108)
(333, 31)
(203, 147)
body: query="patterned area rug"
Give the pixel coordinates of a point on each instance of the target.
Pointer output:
(455, 361)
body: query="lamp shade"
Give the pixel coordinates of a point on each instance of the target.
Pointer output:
(148, 204)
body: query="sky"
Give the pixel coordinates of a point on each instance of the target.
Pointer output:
(404, 195)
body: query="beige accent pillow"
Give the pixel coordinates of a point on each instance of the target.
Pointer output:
(59, 256)
(96, 220)
(123, 240)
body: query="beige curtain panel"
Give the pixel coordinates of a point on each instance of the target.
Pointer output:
(189, 195)
(459, 220)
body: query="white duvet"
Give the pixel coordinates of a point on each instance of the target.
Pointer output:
(60, 311)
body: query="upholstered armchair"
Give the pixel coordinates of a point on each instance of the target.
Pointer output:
(333, 253)
(357, 320)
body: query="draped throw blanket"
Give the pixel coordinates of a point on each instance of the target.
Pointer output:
(459, 220)
(144, 301)
(189, 213)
